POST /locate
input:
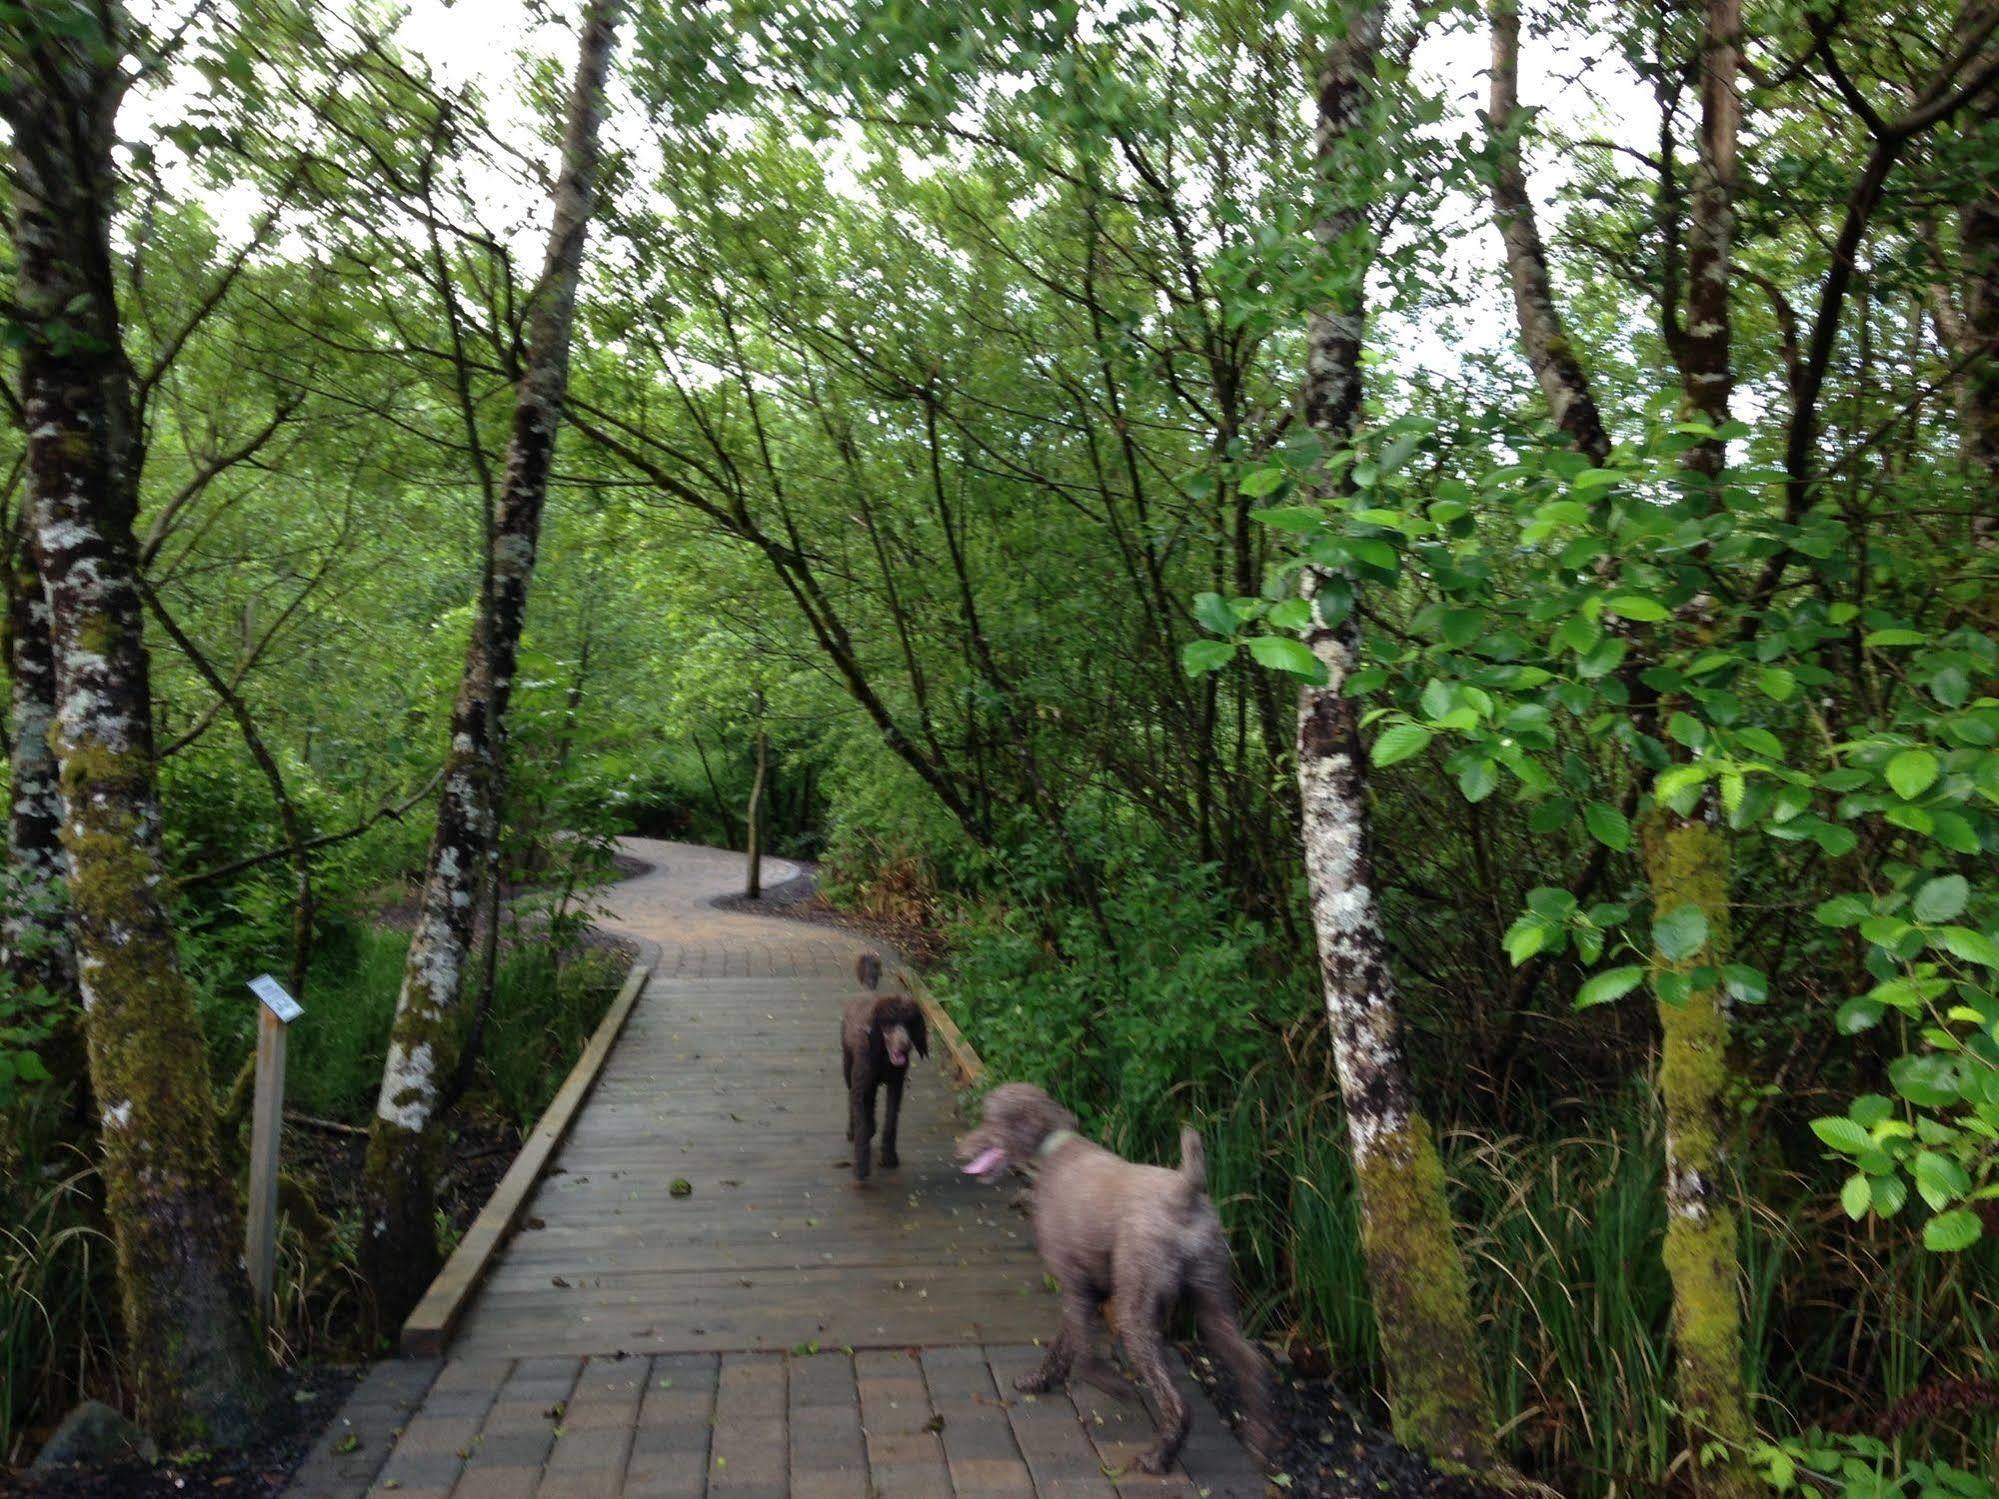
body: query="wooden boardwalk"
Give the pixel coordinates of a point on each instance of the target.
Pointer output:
(775, 1330)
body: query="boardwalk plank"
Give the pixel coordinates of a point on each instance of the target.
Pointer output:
(775, 1333)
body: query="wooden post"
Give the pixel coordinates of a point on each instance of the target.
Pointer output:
(267, 1122)
(756, 817)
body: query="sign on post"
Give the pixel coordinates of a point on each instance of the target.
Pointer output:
(267, 1118)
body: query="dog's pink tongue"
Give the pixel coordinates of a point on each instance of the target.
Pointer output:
(985, 1162)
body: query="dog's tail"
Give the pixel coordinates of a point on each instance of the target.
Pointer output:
(1193, 1159)
(869, 970)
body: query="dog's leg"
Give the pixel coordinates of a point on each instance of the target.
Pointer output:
(1079, 1310)
(847, 1078)
(1215, 1315)
(863, 1127)
(1146, 1348)
(894, 1112)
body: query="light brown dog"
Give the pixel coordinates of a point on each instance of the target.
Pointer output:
(1144, 1235)
(877, 1032)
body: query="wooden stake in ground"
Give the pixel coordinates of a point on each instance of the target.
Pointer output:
(276, 1011)
(399, 1236)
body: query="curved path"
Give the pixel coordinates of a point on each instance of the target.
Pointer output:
(775, 1330)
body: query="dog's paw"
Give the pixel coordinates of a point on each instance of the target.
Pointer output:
(1033, 1384)
(890, 1158)
(1155, 1461)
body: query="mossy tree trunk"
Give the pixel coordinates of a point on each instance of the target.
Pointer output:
(1686, 865)
(1438, 1397)
(399, 1239)
(1686, 857)
(195, 1361)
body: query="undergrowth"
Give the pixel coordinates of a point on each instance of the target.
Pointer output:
(58, 1296)
(1848, 1328)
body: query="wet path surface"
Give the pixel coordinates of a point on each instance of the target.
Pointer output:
(775, 1330)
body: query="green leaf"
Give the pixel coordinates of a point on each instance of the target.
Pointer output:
(1461, 627)
(1777, 683)
(1399, 743)
(1890, 1192)
(1526, 937)
(1843, 911)
(1260, 482)
(1289, 614)
(1612, 983)
(1929, 1082)
(1635, 606)
(1282, 653)
(1198, 657)
(1607, 825)
(1680, 934)
(1214, 613)
(1912, 772)
(1843, 1135)
(1478, 780)
(1949, 1232)
(1894, 637)
(1857, 1196)
(1973, 947)
(1939, 1179)
(1746, 985)
(1941, 899)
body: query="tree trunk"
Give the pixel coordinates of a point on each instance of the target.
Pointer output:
(34, 939)
(1553, 358)
(1686, 863)
(1437, 1391)
(755, 817)
(399, 1242)
(196, 1363)
(1706, 373)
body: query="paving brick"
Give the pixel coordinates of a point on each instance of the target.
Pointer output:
(344, 1461)
(979, 1448)
(749, 1455)
(829, 1458)
(1064, 1463)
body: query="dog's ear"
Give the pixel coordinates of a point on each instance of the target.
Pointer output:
(919, 1032)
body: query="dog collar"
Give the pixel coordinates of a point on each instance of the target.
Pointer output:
(1054, 1141)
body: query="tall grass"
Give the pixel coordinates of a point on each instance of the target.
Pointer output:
(58, 1317)
(1562, 1231)
(58, 1291)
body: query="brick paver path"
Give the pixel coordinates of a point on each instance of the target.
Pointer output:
(776, 1331)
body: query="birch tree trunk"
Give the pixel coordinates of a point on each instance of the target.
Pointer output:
(34, 937)
(196, 1363)
(1553, 358)
(1437, 1391)
(1686, 864)
(399, 1242)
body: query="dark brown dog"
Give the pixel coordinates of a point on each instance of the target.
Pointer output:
(877, 1032)
(1141, 1235)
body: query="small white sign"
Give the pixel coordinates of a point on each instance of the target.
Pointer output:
(272, 993)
